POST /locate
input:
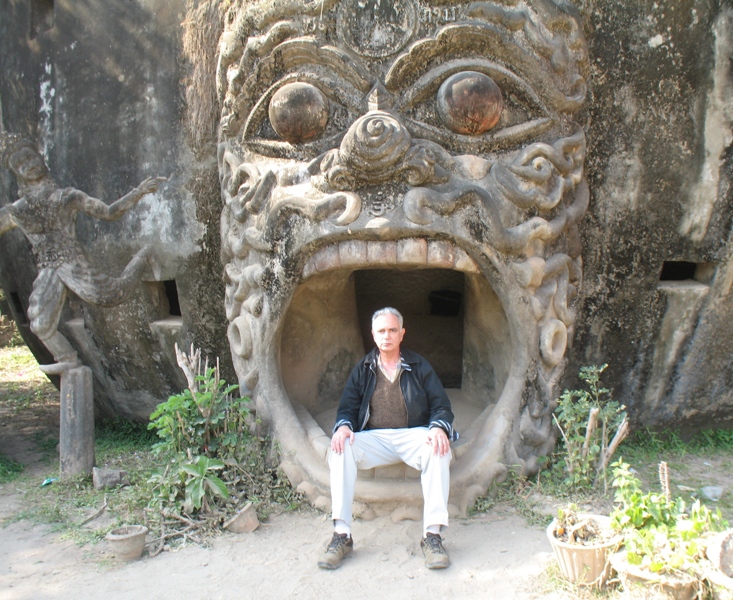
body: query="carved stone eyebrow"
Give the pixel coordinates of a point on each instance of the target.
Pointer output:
(460, 40)
(292, 55)
(429, 82)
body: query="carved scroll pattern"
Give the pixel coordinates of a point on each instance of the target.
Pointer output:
(504, 194)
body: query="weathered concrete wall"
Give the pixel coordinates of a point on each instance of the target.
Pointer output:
(659, 169)
(104, 91)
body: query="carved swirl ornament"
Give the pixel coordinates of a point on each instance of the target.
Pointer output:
(367, 120)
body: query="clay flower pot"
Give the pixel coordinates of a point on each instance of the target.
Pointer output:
(585, 564)
(127, 542)
(645, 585)
(719, 551)
(244, 521)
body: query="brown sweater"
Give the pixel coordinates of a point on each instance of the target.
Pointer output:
(387, 408)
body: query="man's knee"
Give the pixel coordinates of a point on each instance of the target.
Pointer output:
(338, 460)
(433, 460)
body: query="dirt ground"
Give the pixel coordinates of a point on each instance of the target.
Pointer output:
(496, 555)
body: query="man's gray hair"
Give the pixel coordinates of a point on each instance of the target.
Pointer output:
(387, 310)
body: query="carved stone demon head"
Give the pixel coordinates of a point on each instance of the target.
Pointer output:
(421, 155)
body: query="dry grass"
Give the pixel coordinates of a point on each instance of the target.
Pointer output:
(22, 384)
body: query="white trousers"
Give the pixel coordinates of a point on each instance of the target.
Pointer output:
(382, 447)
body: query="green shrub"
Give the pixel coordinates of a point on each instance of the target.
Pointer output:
(591, 427)
(207, 420)
(213, 462)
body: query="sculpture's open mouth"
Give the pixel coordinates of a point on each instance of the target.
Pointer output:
(437, 170)
(483, 298)
(455, 243)
(452, 316)
(464, 311)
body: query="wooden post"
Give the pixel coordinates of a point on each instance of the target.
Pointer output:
(76, 445)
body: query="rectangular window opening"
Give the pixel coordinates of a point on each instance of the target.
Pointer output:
(164, 297)
(171, 294)
(682, 270)
(42, 16)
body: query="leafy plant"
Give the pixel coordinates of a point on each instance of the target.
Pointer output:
(587, 418)
(202, 483)
(202, 420)
(213, 462)
(660, 534)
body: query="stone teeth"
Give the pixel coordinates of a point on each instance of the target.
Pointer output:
(409, 252)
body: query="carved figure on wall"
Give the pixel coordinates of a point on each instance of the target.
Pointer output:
(46, 214)
(440, 137)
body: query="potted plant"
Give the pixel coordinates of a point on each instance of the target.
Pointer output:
(591, 427)
(664, 539)
(583, 544)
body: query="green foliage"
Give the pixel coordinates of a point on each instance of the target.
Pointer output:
(587, 419)
(207, 421)
(647, 442)
(118, 436)
(212, 460)
(9, 469)
(660, 534)
(718, 439)
(201, 481)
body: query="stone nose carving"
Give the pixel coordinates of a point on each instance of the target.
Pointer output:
(375, 144)
(378, 148)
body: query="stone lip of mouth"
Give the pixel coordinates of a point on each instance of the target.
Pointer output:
(408, 252)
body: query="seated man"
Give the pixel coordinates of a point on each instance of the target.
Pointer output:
(393, 409)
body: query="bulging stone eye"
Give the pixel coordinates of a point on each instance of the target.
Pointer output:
(469, 103)
(299, 112)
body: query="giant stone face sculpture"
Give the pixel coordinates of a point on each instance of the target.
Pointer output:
(422, 155)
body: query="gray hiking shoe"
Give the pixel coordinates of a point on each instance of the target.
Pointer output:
(435, 555)
(338, 549)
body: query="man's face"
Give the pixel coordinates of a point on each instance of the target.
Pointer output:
(387, 333)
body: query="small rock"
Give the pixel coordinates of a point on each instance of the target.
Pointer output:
(323, 503)
(107, 478)
(405, 513)
(712, 492)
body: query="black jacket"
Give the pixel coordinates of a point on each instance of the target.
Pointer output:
(425, 399)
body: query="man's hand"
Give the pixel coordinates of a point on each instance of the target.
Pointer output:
(438, 440)
(339, 438)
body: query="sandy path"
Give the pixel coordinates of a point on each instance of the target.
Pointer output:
(494, 556)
